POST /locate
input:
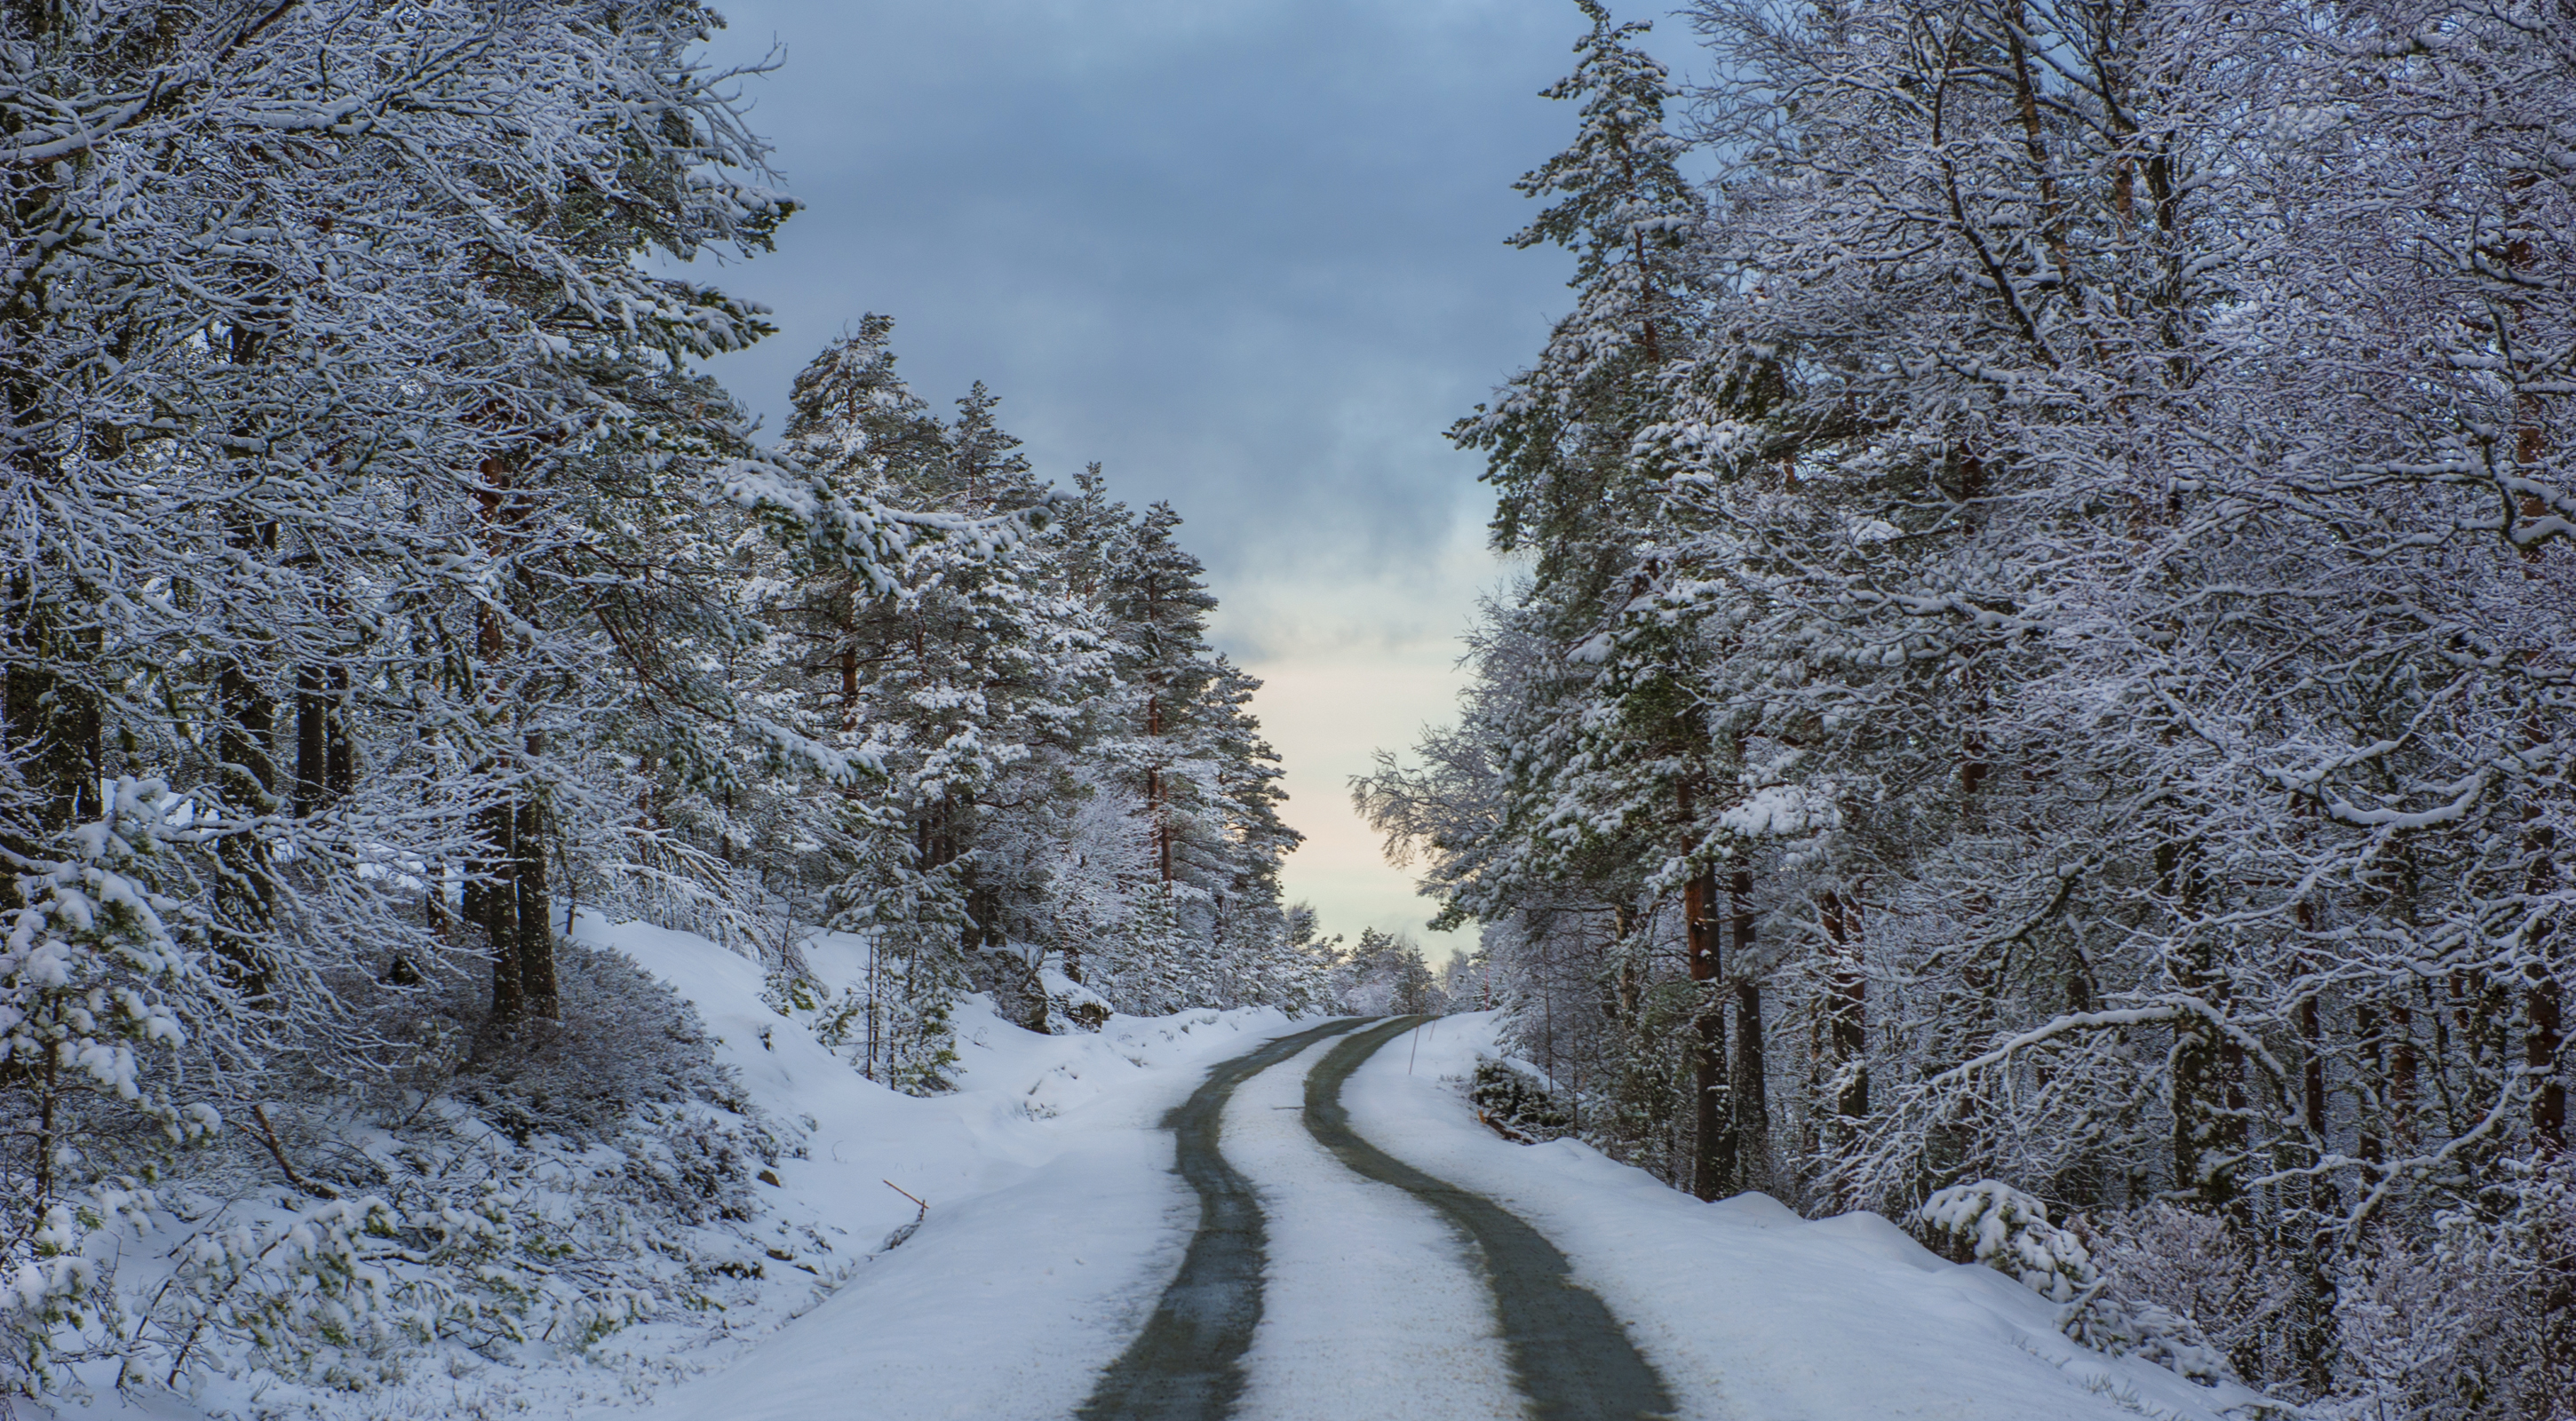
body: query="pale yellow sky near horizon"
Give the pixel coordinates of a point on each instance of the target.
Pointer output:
(1346, 672)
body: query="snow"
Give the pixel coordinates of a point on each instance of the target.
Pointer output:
(1055, 1222)
(1780, 810)
(1371, 1309)
(1747, 1309)
(1054, 1217)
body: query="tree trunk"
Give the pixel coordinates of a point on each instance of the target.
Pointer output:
(2541, 1042)
(1712, 1138)
(245, 893)
(1752, 1100)
(325, 761)
(54, 717)
(1155, 792)
(311, 731)
(536, 925)
(1850, 1024)
(499, 900)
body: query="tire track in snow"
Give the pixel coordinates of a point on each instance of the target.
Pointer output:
(1570, 1356)
(1374, 1304)
(1186, 1364)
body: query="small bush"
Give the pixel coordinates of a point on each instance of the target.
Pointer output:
(1517, 1105)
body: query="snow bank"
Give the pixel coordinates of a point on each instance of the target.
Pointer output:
(1054, 1218)
(1747, 1309)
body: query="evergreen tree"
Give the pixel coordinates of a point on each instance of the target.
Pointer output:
(2025, 626)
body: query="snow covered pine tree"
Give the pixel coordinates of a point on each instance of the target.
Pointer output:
(2086, 557)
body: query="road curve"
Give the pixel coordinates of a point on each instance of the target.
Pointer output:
(1186, 1364)
(1571, 1358)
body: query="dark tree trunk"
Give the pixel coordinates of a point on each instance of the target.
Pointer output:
(536, 935)
(2541, 1044)
(325, 762)
(54, 718)
(2402, 1062)
(1849, 1006)
(245, 893)
(311, 716)
(1751, 1094)
(1712, 1136)
(499, 900)
(2543, 1020)
(340, 751)
(2372, 1141)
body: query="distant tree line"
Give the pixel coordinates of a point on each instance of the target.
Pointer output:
(1057, 792)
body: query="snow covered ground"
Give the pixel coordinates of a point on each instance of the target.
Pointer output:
(1748, 1310)
(1054, 1220)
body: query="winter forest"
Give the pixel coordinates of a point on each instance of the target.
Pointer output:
(384, 593)
(2032, 694)
(2038, 700)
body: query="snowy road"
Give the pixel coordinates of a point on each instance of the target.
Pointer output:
(1210, 1216)
(1186, 1363)
(1569, 1356)
(1569, 1360)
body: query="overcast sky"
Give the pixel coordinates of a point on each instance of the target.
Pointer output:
(1248, 254)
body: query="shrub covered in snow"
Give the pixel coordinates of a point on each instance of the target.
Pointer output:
(561, 1184)
(1516, 1104)
(2480, 1324)
(1997, 1225)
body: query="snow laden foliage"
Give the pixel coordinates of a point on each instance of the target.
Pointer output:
(342, 429)
(2043, 660)
(1018, 757)
(1384, 974)
(380, 591)
(2008, 1231)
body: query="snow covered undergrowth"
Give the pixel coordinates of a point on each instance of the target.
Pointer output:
(1748, 1310)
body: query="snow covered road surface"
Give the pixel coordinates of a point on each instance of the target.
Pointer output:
(1374, 1309)
(1568, 1360)
(1185, 1365)
(1569, 1357)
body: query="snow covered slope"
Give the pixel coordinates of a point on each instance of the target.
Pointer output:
(1053, 1223)
(1748, 1310)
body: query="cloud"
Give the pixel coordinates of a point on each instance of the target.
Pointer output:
(1249, 255)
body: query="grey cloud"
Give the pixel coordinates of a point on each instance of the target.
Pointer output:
(1250, 256)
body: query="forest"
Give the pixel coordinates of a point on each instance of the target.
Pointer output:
(385, 592)
(2034, 696)
(2036, 693)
